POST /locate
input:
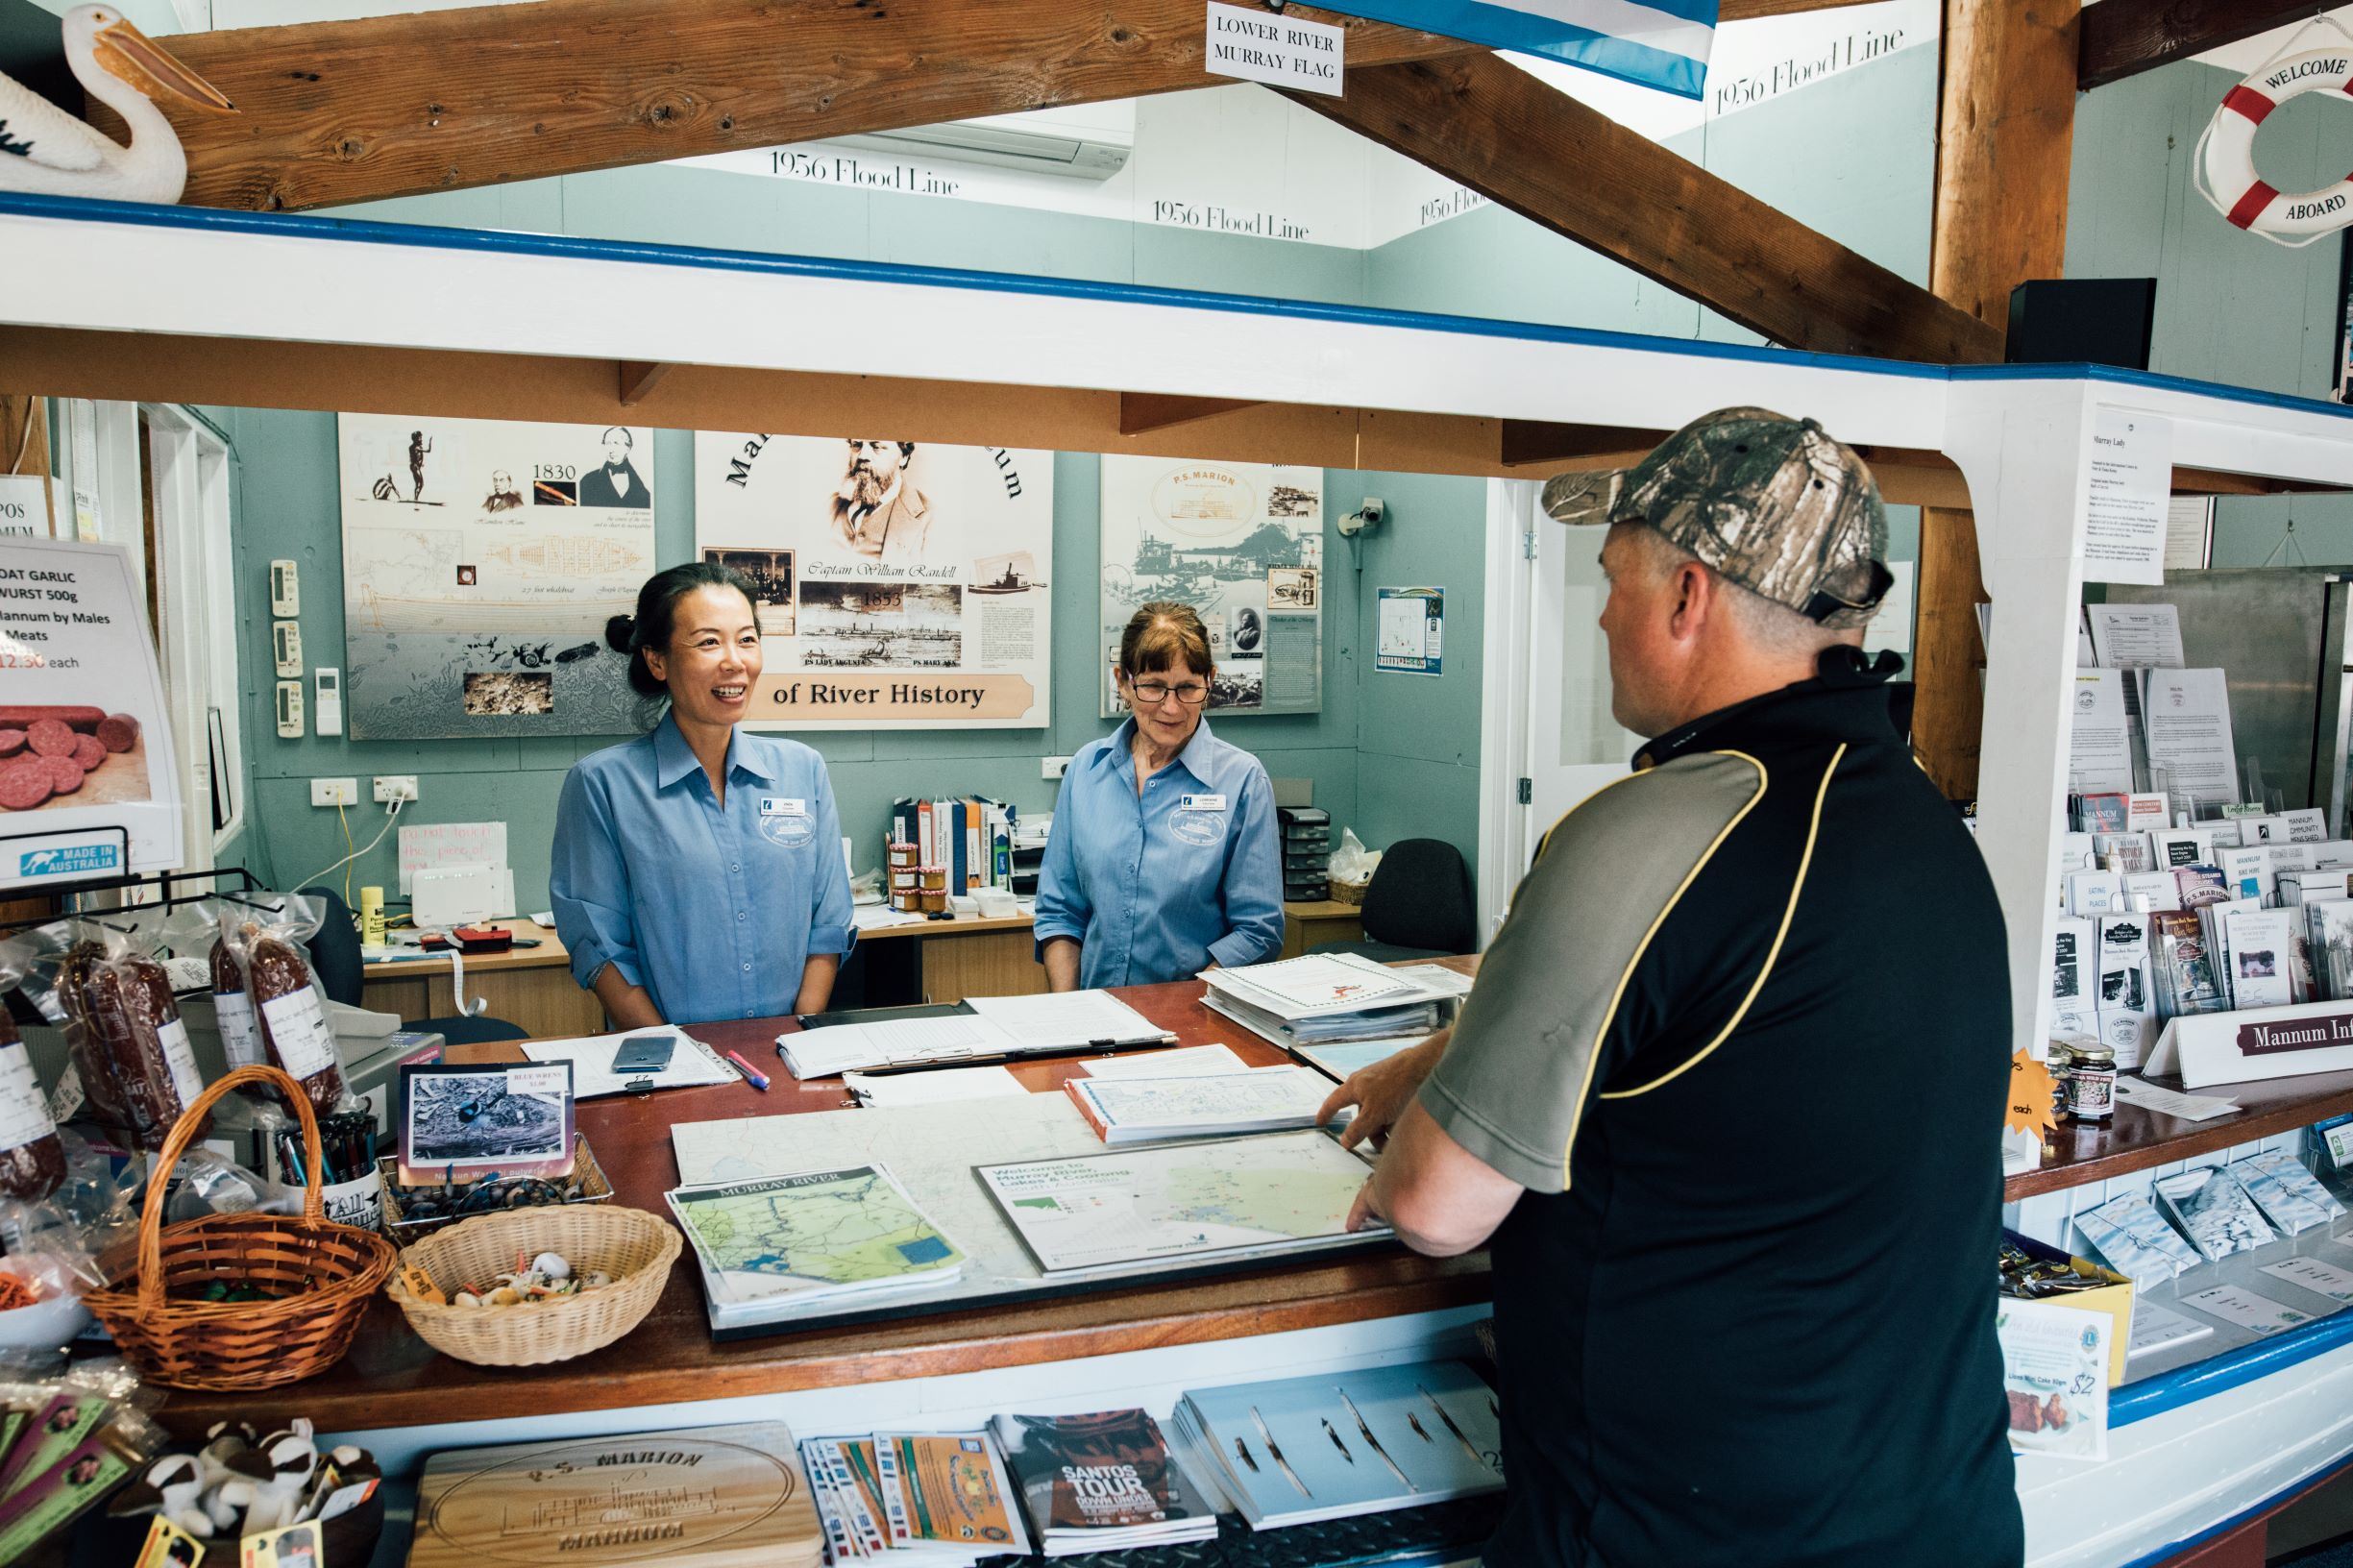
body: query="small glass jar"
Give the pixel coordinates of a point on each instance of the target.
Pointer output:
(2091, 1083)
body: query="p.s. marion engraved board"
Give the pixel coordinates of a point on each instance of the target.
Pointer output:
(713, 1497)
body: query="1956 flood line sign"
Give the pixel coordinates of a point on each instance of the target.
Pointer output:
(1280, 51)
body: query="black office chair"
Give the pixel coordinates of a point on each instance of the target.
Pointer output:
(334, 957)
(1419, 905)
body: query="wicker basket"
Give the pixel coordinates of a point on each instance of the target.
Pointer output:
(333, 1270)
(634, 1247)
(1349, 892)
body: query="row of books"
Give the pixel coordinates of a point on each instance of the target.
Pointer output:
(972, 837)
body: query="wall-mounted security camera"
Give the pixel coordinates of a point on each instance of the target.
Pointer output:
(1365, 519)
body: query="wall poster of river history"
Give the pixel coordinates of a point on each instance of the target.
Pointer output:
(1242, 544)
(481, 561)
(901, 584)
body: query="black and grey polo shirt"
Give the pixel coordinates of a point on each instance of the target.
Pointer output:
(1745, 1040)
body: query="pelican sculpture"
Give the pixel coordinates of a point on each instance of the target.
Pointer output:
(47, 151)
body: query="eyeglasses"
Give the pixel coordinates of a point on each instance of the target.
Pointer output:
(1152, 692)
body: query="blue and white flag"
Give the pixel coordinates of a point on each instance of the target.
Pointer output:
(1652, 43)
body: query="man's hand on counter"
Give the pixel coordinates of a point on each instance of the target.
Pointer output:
(1381, 1092)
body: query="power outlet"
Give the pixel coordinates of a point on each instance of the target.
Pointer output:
(334, 792)
(1054, 768)
(391, 787)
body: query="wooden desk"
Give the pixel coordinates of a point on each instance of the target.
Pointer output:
(529, 986)
(1320, 919)
(997, 958)
(391, 1379)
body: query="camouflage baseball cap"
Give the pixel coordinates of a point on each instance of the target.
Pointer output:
(1773, 503)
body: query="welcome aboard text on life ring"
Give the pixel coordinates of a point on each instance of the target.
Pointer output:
(2228, 152)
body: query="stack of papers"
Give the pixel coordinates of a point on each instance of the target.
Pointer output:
(1253, 1100)
(923, 1499)
(1324, 997)
(1101, 1483)
(988, 1028)
(1345, 1443)
(779, 1246)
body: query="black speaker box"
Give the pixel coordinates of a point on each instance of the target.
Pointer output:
(2098, 321)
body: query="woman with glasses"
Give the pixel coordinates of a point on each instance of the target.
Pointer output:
(1164, 859)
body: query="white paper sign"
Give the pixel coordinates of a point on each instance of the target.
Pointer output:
(1280, 51)
(24, 507)
(2099, 743)
(2323, 1277)
(73, 636)
(2136, 636)
(2186, 715)
(2131, 487)
(435, 844)
(2054, 1364)
(2242, 1047)
(2247, 1308)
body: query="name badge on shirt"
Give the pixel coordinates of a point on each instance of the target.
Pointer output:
(786, 821)
(1199, 819)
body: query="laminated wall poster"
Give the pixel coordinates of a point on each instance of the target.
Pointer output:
(1242, 542)
(481, 561)
(901, 585)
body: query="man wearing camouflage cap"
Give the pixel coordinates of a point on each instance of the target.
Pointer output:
(1725, 1104)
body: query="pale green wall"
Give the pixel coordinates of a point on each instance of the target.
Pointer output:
(1393, 756)
(2231, 307)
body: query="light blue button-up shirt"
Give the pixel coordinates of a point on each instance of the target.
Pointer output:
(1160, 886)
(713, 909)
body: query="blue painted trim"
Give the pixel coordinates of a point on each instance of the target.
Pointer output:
(2117, 375)
(2244, 1516)
(639, 252)
(1678, 75)
(425, 236)
(2217, 1374)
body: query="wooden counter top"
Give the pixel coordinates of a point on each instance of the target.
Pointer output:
(550, 953)
(391, 1379)
(2137, 1139)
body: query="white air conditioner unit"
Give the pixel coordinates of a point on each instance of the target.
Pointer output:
(1089, 142)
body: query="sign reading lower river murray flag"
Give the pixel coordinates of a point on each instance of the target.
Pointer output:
(901, 585)
(1652, 43)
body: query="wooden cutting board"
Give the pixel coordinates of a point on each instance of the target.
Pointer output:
(712, 1497)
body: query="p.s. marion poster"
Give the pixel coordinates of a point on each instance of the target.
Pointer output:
(902, 585)
(481, 561)
(1242, 544)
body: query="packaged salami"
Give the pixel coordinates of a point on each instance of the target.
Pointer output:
(267, 998)
(32, 1160)
(130, 1052)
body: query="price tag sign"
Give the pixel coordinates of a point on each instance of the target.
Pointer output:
(550, 1080)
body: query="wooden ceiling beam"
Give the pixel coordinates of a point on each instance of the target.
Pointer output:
(1489, 125)
(335, 112)
(2125, 37)
(1141, 413)
(1749, 10)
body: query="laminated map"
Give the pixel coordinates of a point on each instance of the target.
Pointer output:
(825, 1231)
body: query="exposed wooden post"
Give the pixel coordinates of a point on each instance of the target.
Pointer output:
(2005, 135)
(24, 444)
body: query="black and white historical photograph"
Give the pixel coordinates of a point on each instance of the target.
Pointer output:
(616, 481)
(494, 692)
(770, 571)
(880, 509)
(852, 626)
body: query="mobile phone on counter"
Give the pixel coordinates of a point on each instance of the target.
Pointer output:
(646, 1053)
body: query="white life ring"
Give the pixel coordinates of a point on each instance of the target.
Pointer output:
(2226, 152)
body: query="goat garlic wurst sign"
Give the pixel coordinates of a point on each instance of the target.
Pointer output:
(899, 584)
(90, 785)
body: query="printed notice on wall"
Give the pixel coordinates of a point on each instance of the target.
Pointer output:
(88, 785)
(899, 584)
(1411, 631)
(1278, 50)
(2130, 496)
